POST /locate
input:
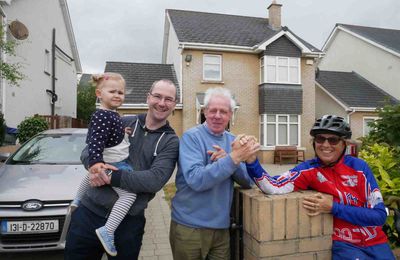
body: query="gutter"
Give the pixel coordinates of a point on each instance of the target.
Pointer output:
(71, 37)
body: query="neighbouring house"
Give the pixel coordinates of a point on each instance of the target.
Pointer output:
(351, 96)
(49, 59)
(269, 69)
(359, 73)
(139, 77)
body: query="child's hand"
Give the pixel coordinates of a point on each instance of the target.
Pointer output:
(97, 168)
(128, 130)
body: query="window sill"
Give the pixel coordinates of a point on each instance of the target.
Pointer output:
(212, 82)
(272, 148)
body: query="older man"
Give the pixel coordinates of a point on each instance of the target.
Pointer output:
(153, 154)
(201, 206)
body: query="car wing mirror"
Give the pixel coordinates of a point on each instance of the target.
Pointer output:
(4, 156)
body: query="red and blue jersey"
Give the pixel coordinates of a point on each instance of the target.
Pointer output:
(358, 208)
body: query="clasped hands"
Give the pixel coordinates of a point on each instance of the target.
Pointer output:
(244, 148)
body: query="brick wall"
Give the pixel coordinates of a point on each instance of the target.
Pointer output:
(240, 75)
(277, 227)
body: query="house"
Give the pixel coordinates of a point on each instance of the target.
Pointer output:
(359, 72)
(269, 69)
(349, 95)
(46, 89)
(139, 77)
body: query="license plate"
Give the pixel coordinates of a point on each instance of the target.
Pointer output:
(26, 227)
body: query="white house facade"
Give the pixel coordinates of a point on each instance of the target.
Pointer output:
(50, 35)
(369, 51)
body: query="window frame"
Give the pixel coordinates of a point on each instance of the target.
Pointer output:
(364, 123)
(47, 62)
(263, 123)
(267, 60)
(205, 63)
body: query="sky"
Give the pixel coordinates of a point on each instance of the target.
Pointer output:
(132, 30)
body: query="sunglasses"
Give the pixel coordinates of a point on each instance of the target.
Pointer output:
(334, 140)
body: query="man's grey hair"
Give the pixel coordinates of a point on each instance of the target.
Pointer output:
(166, 81)
(219, 91)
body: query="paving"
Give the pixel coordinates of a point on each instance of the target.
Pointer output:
(158, 216)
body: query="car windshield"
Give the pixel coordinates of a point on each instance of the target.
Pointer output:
(51, 149)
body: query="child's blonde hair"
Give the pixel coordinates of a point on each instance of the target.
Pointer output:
(99, 79)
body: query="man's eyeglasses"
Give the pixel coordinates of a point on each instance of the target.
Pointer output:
(333, 140)
(158, 98)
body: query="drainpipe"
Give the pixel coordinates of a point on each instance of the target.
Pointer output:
(349, 114)
(53, 73)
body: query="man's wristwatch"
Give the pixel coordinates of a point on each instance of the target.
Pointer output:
(108, 172)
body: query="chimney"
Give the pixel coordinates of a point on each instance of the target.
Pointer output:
(274, 15)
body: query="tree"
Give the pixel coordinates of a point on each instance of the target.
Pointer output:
(9, 71)
(386, 129)
(381, 150)
(86, 101)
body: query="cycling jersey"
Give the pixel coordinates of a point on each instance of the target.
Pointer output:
(358, 208)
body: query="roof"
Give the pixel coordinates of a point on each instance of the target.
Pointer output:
(140, 76)
(85, 79)
(224, 29)
(352, 90)
(387, 38)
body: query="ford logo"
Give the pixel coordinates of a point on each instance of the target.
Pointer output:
(32, 205)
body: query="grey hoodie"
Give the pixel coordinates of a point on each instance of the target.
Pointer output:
(152, 154)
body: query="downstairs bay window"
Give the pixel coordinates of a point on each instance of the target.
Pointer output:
(279, 130)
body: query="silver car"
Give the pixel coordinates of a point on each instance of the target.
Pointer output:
(37, 183)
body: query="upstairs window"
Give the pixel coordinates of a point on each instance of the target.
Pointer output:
(212, 67)
(280, 70)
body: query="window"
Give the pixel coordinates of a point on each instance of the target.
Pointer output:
(212, 67)
(280, 70)
(366, 127)
(279, 130)
(262, 75)
(47, 62)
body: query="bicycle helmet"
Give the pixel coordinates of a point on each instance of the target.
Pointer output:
(331, 124)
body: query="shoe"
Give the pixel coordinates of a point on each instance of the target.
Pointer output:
(106, 240)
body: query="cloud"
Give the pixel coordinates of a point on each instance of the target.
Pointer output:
(132, 30)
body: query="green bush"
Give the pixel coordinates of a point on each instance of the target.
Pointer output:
(382, 159)
(30, 127)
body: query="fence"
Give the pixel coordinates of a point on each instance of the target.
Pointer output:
(63, 122)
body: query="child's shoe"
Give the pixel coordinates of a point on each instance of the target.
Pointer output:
(106, 240)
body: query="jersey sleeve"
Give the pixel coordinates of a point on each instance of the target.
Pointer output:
(268, 184)
(373, 213)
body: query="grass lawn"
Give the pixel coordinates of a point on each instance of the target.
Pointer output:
(169, 191)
